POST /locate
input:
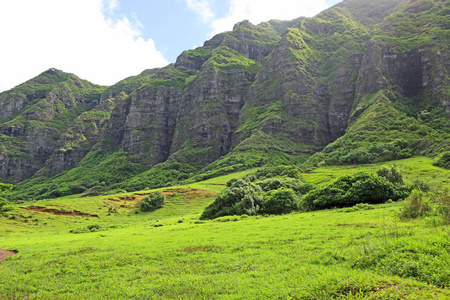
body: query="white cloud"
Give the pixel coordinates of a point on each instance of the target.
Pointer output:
(202, 8)
(71, 35)
(257, 11)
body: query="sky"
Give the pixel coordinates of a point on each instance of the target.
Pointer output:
(105, 41)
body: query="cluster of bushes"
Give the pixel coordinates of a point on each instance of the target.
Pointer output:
(277, 195)
(153, 202)
(350, 190)
(251, 196)
(242, 197)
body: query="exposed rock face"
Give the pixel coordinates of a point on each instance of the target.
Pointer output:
(35, 124)
(295, 86)
(84, 133)
(149, 124)
(287, 78)
(208, 114)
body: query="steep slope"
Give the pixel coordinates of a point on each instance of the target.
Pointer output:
(144, 123)
(34, 116)
(401, 104)
(363, 81)
(304, 92)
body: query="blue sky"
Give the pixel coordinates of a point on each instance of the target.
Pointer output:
(174, 26)
(104, 41)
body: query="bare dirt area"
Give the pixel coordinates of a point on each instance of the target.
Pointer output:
(58, 212)
(5, 253)
(132, 198)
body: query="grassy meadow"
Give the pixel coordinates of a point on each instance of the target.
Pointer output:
(118, 252)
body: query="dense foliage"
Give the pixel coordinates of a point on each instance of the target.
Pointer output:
(4, 204)
(350, 190)
(280, 201)
(153, 202)
(265, 192)
(240, 198)
(443, 160)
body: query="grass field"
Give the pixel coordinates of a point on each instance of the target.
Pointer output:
(361, 253)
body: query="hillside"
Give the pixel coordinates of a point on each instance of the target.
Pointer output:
(361, 82)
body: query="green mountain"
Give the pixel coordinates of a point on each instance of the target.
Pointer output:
(361, 82)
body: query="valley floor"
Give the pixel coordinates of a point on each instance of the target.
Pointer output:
(365, 252)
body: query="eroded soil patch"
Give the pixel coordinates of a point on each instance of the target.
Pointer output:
(5, 253)
(58, 212)
(132, 198)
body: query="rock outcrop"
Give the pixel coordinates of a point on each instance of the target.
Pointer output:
(289, 88)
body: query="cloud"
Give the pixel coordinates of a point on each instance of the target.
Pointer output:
(257, 11)
(71, 35)
(202, 8)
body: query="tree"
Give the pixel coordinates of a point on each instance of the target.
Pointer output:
(240, 198)
(153, 202)
(393, 174)
(281, 201)
(350, 190)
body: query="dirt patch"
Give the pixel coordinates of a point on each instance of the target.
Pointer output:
(187, 193)
(128, 198)
(58, 212)
(134, 198)
(5, 253)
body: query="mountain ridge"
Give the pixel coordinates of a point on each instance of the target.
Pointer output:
(276, 93)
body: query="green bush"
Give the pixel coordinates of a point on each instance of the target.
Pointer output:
(153, 202)
(416, 205)
(393, 174)
(281, 201)
(420, 185)
(4, 204)
(442, 199)
(350, 190)
(270, 184)
(240, 198)
(296, 185)
(443, 160)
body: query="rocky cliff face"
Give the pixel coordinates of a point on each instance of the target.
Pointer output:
(290, 88)
(34, 125)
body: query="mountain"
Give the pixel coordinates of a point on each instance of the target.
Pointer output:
(363, 81)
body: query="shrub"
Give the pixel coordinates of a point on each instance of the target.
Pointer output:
(417, 205)
(231, 182)
(270, 184)
(153, 202)
(281, 201)
(393, 174)
(442, 198)
(420, 185)
(443, 160)
(4, 204)
(350, 190)
(240, 198)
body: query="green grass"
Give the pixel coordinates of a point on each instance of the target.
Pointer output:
(318, 255)
(416, 168)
